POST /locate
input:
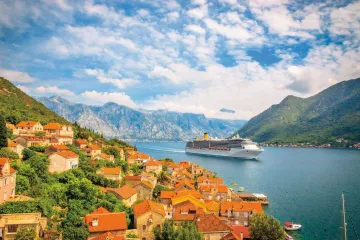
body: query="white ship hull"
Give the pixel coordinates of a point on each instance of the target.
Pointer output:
(233, 152)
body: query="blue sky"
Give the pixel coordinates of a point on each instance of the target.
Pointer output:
(190, 56)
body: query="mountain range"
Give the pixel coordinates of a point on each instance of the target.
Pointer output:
(331, 114)
(113, 120)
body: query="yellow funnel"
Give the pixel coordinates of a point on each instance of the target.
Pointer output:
(206, 136)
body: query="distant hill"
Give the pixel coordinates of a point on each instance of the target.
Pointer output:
(329, 115)
(17, 106)
(113, 120)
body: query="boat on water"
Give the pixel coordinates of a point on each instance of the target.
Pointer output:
(290, 226)
(234, 184)
(235, 147)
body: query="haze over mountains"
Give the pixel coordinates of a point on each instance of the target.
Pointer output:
(329, 115)
(113, 120)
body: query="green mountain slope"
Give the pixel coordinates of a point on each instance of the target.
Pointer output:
(16, 106)
(331, 114)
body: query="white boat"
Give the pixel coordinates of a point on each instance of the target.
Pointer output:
(235, 147)
(290, 226)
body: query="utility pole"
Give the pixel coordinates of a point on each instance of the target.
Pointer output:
(343, 212)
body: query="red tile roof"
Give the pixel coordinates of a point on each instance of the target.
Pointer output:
(133, 178)
(241, 229)
(125, 191)
(138, 156)
(144, 183)
(212, 205)
(81, 141)
(222, 188)
(167, 194)
(207, 223)
(108, 236)
(107, 222)
(146, 206)
(60, 147)
(100, 210)
(94, 147)
(26, 124)
(193, 193)
(231, 236)
(67, 154)
(185, 164)
(104, 156)
(153, 164)
(241, 206)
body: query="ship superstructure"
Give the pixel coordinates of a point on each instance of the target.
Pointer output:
(235, 147)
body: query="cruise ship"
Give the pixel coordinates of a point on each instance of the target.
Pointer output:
(235, 147)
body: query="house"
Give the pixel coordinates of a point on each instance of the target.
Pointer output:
(56, 148)
(153, 166)
(12, 128)
(7, 180)
(11, 223)
(63, 161)
(149, 177)
(213, 192)
(80, 143)
(174, 167)
(185, 164)
(138, 158)
(29, 127)
(108, 236)
(196, 169)
(15, 147)
(102, 221)
(63, 139)
(130, 150)
(105, 157)
(166, 196)
(59, 129)
(126, 193)
(92, 150)
(148, 215)
(202, 180)
(211, 226)
(110, 173)
(184, 185)
(181, 175)
(231, 236)
(185, 211)
(131, 180)
(144, 190)
(208, 173)
(241, 231)
(28, 141)
(238, 213)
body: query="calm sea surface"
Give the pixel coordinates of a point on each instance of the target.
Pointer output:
(303, 185)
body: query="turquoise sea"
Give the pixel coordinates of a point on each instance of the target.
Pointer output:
(304, 185)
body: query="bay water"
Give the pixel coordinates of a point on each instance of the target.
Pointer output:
(304, 185)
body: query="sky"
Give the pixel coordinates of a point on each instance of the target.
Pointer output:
(194, 56)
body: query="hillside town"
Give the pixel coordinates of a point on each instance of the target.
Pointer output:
(155, 190)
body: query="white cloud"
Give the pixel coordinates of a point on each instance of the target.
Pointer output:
(100, 98)
(172, 16)
(199, 12)
(16, 76)
(198, 2)
(195, 28)
(346, 20)
(54, 90)
(107, 78)
(24, 88)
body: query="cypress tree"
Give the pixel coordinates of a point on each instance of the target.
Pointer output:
(3, 132)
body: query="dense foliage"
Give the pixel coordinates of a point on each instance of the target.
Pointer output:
(323, 118)
(3, 132)
(168, 231)
(17, 106)
(265, 227)
(7, 153)
(25, 234)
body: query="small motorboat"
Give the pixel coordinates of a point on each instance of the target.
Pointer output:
(290, 226)
(234, 184)
(241, 189)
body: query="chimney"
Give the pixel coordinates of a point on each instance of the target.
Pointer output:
(241, 235)
(95, 222)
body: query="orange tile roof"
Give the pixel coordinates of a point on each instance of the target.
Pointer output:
(193, 193)
(3, 161)
(108, 236)
(185, 183)
(107, 222)
(153, 163)
(111, 171)
(100, 210)
(205, 188)
(202, 179)
(26, 124)
(216, 180)
(241, 206)
(146, 206)
(185, 164)
(80, 141)
(67, 154)
(60, 147)
(174, 165)
(212, 205)
(144, 183)
(125, 191)
(167, 194)
(237, 229)
(133, 178)
(222, 188)
(231, 236)
(137, 156)
(207, 223)
(94, 147)
(105, 156)
(52, 126)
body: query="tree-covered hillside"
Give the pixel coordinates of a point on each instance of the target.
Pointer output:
(16, 105)
(329, 115)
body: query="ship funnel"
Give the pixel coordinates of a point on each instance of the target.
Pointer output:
(206, 136)
(197, 138)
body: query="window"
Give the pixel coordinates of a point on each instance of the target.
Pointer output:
(144, 227)
(5, 197)
(12, 228)
(5, 181)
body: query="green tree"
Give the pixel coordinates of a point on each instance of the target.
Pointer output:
(265, 227)
(3, 132)
(7, 153)
(136, 169)
(25, 234)
(27, 153)
(158, 189)
(22, 184)
(187, 230)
